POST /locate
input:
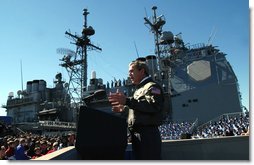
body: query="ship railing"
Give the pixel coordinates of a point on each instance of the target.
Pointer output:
(19, 101)
(194, 125)
(58, 124)
(20, 130)
(196, 46)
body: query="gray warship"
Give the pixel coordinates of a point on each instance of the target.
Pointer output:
(41, 110)
(198, 81)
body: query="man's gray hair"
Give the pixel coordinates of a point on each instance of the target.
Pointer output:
(140, 65)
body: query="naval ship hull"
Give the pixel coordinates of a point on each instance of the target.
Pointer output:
(205, 103)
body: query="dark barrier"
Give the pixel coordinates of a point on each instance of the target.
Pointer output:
(100, 135)
(185, 136)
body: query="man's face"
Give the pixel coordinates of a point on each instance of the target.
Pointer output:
(13, 145)
(135, 75)
(38, 151)
(43, 146)
(23, 143)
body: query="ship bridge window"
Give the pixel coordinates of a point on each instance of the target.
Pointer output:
(185, 105)
(195, 100)
(174, 95)
(199, 70)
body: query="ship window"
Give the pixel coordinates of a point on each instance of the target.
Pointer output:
(175, 95)
(195, 100)
(189, 101)
(184, 105)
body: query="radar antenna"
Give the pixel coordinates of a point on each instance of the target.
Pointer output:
(156, 28)
(75, 62)
(212, 36)
(163, 41)
(136, 49)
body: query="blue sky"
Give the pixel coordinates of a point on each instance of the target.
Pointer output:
(32, 30)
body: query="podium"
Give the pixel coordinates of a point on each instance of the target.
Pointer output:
(100, 135)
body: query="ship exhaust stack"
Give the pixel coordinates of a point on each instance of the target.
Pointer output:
(152, 64)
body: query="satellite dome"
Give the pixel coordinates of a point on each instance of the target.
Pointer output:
(167, 37)
(88, 31)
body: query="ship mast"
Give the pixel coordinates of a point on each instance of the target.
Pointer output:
(76, 64)
(161, 47)
(156, 28)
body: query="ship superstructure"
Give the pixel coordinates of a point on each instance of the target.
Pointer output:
(40, 108)
(198, 79)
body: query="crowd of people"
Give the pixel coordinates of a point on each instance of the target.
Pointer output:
(31, 146)
(173, 130)
(226, 126)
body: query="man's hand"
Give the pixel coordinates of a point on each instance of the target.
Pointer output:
(117, 101)
(118, 108)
